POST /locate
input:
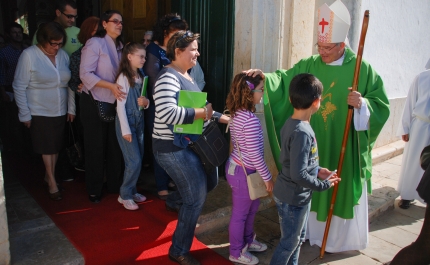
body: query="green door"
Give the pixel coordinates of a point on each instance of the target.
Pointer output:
(214, 20)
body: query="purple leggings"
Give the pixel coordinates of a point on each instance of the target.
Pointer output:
(241, 228)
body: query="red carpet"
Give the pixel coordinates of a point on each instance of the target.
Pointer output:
(106, 233)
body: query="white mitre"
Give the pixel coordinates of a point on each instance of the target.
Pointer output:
(333, 22)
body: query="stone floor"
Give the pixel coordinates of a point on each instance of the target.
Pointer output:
(391, 228)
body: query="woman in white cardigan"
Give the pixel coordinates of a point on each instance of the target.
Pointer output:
(43, 98)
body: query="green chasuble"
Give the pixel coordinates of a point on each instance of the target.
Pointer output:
(329, 124)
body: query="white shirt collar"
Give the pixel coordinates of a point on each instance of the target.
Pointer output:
(338, 61)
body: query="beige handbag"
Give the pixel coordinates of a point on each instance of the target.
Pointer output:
(256, 186)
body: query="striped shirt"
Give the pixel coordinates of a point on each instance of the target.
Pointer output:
(167, 111)
(247, 131)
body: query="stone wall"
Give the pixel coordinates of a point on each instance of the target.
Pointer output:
(4, 232)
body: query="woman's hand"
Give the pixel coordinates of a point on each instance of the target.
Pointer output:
(80, 86)
(209, 110)
(269, 185)
(27, 123)
(70, 117)
(117, 91)
(142, 101)
(254, 73)
(127, 137)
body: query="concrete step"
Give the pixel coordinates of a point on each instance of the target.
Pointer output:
(217, 209)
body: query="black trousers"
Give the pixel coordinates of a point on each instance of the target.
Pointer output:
(103, 155)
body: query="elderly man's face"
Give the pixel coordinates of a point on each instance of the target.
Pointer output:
(146, 40)
(330, 52)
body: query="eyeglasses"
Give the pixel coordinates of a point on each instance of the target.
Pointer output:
(116, 22)
(54, 44)
(323, 49)
(173, 19)
(257, 90)
(140, 56)
(187, 34)
(70, 16)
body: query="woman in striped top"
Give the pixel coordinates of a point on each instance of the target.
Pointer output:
(246, 132)
(179, 161)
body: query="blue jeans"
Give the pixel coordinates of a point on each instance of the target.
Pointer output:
(132, 152)
(185, 168)
(292, 220)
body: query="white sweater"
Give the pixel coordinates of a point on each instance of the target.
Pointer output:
(40, 87)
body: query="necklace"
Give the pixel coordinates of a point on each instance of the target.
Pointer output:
(40, 46)
(180, 71)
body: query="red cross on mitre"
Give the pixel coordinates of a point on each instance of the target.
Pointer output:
(323, 23)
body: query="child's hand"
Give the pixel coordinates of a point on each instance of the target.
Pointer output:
(142, 101)
(324, 173)
(334, 180)
(269, 185)
(127, 137)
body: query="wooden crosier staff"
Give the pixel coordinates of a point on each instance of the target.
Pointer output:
(347, 127)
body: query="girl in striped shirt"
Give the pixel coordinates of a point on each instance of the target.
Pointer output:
(246, 132)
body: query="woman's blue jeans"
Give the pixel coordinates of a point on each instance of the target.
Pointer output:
(292, 220)
(185, 168)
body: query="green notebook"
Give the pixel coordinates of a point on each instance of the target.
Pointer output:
(144, 88)
(191, 99)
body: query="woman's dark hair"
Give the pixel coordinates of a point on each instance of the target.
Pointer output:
(180, 40)
(124, 65)
(240, 96)
(50, 31)
(101, 32)
(166, 24)
(87, 28)
(304, 90)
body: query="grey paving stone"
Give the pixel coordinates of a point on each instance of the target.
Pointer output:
(380, 250)
(349, 258)
(46, 247)
(392, 234)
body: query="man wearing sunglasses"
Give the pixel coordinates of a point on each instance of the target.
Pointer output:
(66, 13)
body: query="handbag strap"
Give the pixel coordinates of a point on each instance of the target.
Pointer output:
(71, 130)
(238, 148)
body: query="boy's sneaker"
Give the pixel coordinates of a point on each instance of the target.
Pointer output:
(245, 258)
(139, 197)
(128, 204)
(256, 246)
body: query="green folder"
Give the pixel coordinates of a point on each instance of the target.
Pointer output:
(144, 88)
(191, 99)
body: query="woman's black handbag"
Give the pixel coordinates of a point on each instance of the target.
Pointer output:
(106, 111)
(74, 150)
(211, 147)
(423, 188)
